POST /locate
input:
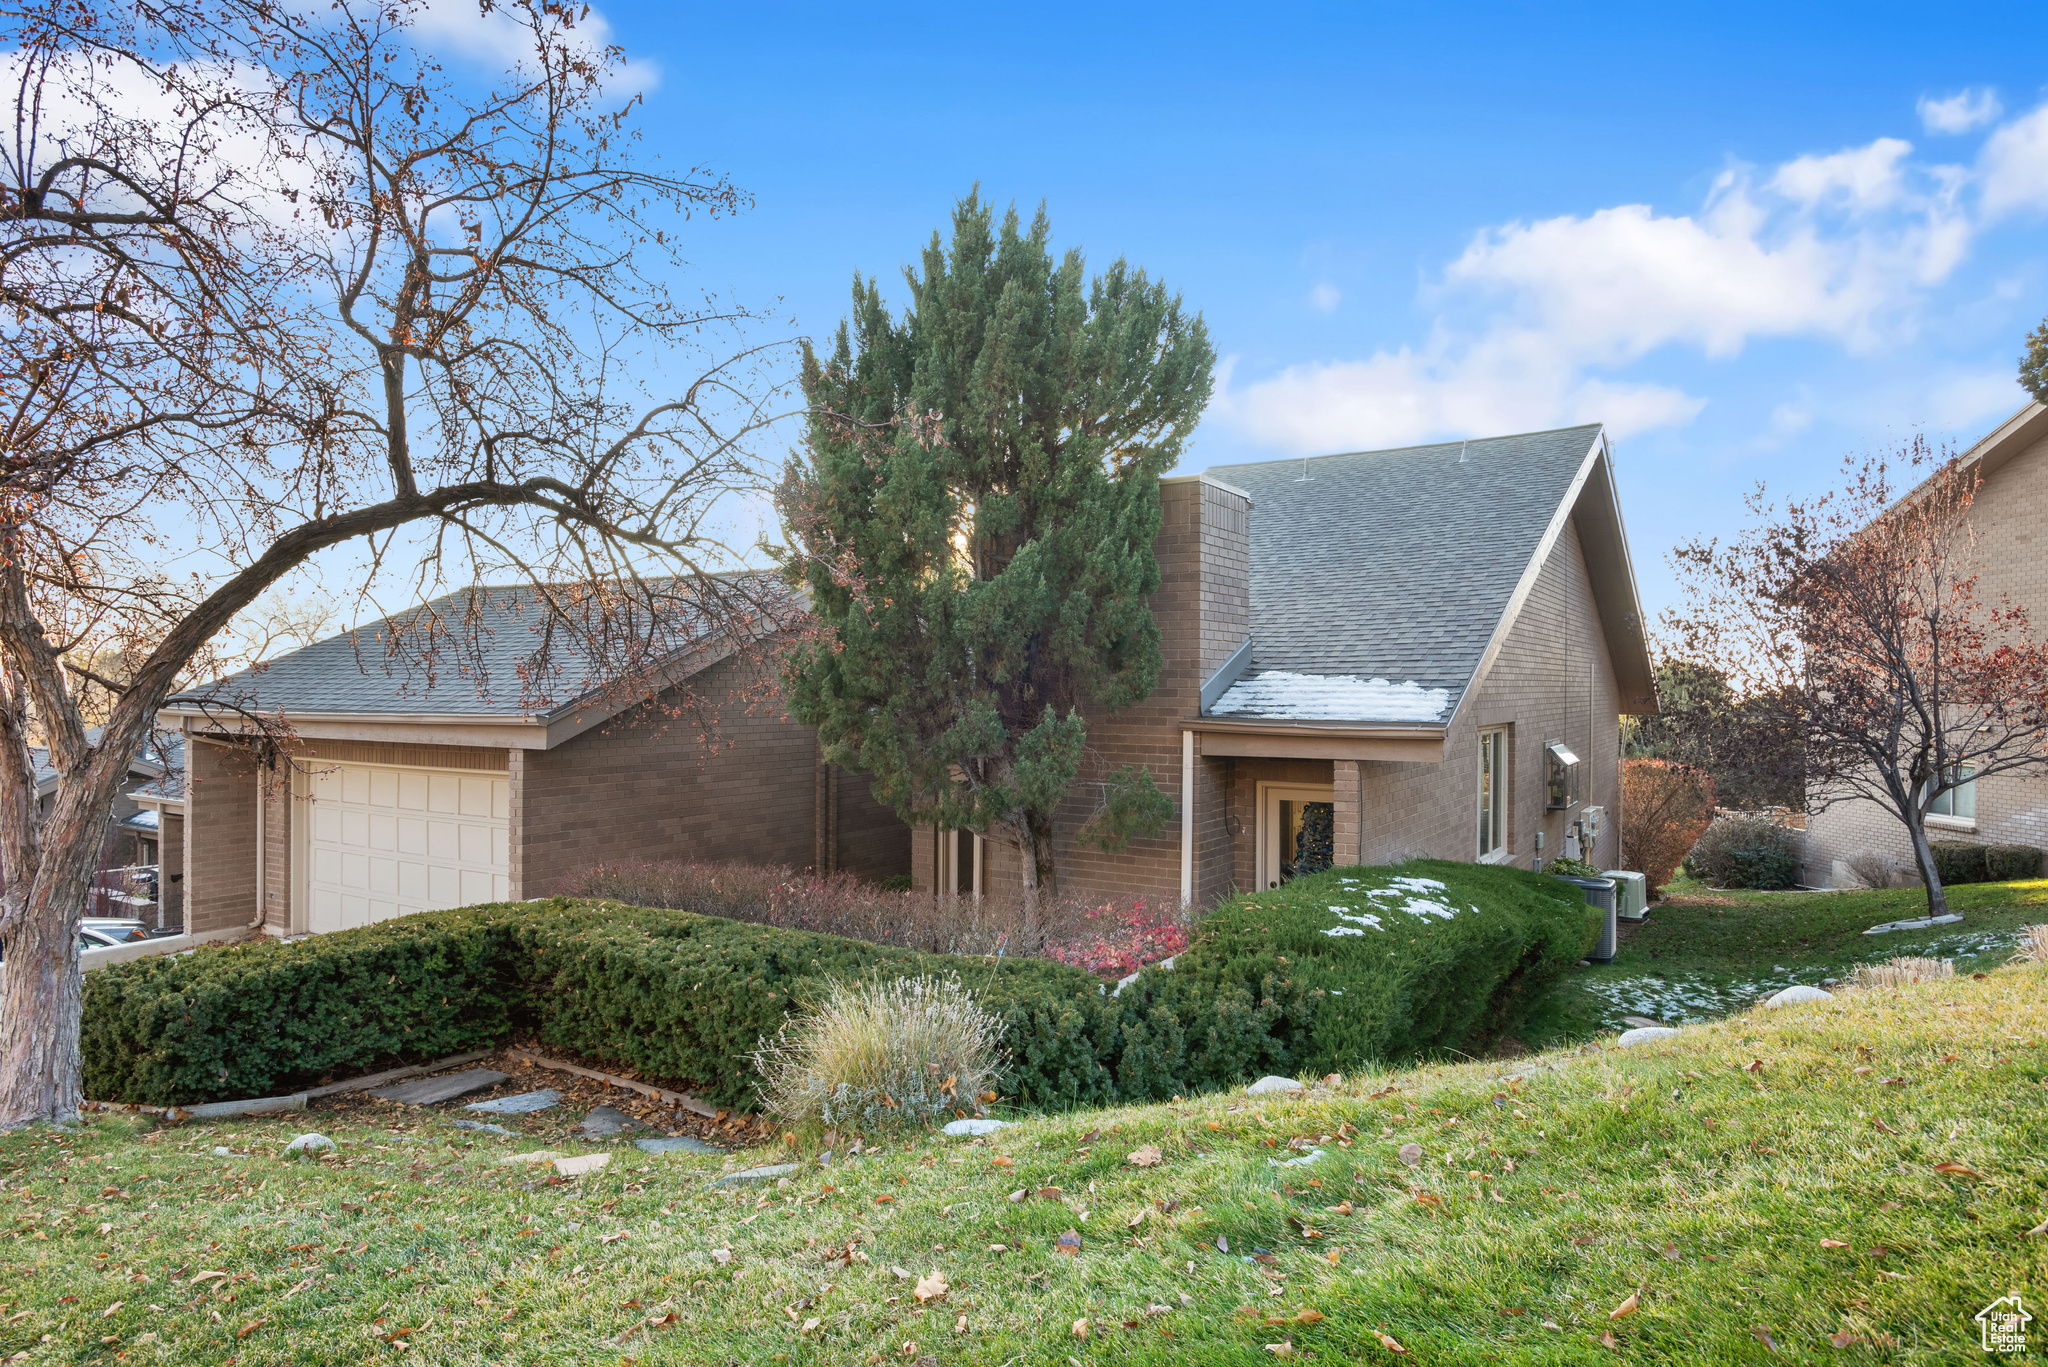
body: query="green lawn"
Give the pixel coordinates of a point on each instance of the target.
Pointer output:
(1695, 1179)
(1705, 953)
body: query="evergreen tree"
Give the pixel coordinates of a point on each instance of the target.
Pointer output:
(973, 517)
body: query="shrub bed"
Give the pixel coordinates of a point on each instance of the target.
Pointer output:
(1746, 852)
(1962, 861)
(686, 998)
(1376, 963)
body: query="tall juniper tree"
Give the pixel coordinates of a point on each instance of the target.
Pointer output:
(973, 518)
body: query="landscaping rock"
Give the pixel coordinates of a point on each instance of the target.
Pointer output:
(526, 1103)
(481, 1127)
(957, 1128)
(310, 1143)
(582, 1163)
(1918, 923)
(1643, 1034)
(1269, 1084)
(1791, 996)
(604, 1122)
(753, 1175)
(681, 1143)
(428, 1090)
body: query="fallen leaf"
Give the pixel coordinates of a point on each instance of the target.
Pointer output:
(1282, 1349)
(1553, 1324)
(1223, 1243)
(1069, 1243)
(812, 1323)
(1390, 1343)
(1050, 1193)
(1845, 1339)
(1146, 1156)
(1607, 1340)
(1627, 1307)
(1754, 1066)
(1959, 1170)
(1671, 1252)
(721, 1256)
(1411, 1154)
(1333, 1255)
(1832, 1243)
(1341, 1208)
(1881, 1127)
(1003, 1160)
(1763, 1336)
(2041, 1228)
(251, 1327)
(112, 1310)
(1081, 1329)
(1019, 1194)
(931, 1287)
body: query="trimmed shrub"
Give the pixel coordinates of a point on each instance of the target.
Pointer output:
(2012, 863)
(1965, 861)
(1665, 809)
(1378, 964)
(1959, 861)
(1746, 852)
(689, 998)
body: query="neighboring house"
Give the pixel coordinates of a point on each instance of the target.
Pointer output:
(1369, 656)
(2009, 517)
(132, 837)
(413, 789)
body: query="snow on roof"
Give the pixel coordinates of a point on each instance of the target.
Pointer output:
(144, 820)
(1286, 696)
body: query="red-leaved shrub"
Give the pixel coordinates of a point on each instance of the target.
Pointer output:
(1665, 808)
(1120, 940)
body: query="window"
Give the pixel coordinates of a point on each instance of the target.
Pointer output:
(1561, 787)
(1493, 782)
(1960, 802)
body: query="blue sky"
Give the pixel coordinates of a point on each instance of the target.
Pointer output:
(1751, 239)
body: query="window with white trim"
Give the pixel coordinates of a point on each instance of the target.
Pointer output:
(1960, 802)
(1493, 784)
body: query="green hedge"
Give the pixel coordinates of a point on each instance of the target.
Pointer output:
(1336, 988)
(1961, 861)
(684, 998)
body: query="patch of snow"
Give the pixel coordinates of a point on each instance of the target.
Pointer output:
(1343, 930)
(1419, 884)
(1330, 697)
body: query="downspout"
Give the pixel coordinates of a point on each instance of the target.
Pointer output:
(1187, 818)
(262, 850)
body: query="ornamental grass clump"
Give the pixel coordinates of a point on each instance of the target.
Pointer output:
(880, 1055)
(1901, 972)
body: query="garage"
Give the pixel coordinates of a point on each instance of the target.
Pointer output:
(380, 841)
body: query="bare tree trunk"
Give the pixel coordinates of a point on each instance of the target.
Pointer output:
(1923, 855)
(40, 993)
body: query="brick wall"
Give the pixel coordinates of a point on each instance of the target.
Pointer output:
(2010, 521)
(220, 808)
(645, 786)
(170, 882)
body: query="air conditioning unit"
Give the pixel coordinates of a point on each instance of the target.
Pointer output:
(1631, 894)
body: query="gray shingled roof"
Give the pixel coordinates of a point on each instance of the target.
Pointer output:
(450, 663)
(159, 753)
(1397, 565)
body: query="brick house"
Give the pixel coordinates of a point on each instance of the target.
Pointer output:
(1366, 656)
(2007, 517)
(416, 789)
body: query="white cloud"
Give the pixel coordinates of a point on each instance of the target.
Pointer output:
(1325, 297)
(1860, 178)
(1960, 112)
(2014, 165)
(1964, 403)
(499, 38)
(1534, 320)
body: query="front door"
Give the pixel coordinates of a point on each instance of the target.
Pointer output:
(1295, 830)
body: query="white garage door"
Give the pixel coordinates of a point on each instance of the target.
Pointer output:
(383, 842)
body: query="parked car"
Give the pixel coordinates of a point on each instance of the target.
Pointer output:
(121, 930)
(92, 939)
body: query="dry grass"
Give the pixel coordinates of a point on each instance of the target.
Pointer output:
(1902, 972)
(881, 1056)
(2033, 947)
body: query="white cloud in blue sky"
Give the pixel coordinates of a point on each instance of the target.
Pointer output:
(1960, 112)
(1539, 324)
